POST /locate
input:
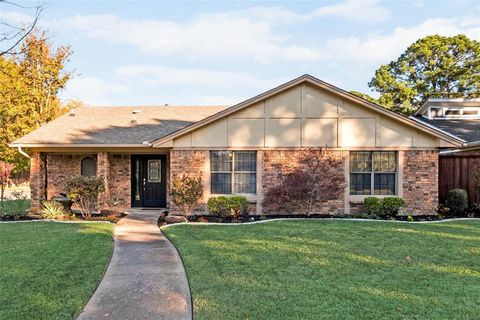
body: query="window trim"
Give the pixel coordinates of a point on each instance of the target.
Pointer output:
(232, 173)
(372, 174)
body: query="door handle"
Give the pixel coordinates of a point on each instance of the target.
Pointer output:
(144, 182)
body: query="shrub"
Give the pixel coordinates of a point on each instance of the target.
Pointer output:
(291, 195)
(457, 201)
(52, 210)
(372, 206)
(85, 191)
(391, 205)
(383, 207)
(186, 193)
(228, 206)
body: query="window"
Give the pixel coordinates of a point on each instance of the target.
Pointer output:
(452, 112)
(470, 112)
(154, 171)
(436, 112)
(233, 172)
(88, 167)
(373, 172)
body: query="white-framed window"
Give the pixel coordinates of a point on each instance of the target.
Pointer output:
(373, 172)
(233, 172)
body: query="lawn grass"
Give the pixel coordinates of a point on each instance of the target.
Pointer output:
(332, 270)
(49, 270)
(15, 206)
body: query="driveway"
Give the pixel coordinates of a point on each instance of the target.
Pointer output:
(145, 278)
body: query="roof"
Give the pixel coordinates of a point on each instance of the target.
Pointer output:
(448, 102)
(306, 78)
(113, 126)
(465, 129)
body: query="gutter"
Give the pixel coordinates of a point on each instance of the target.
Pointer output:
(77, 145)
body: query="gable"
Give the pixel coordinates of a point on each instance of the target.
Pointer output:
(307, 113)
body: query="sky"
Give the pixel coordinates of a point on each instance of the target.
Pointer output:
(224, 52)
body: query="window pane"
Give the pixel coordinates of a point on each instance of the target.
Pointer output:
(221, 160)
(385, 161)
(88, 167)
(245, 183)
(384, 183)
(221, 183)
(360, 183)
(360, 161)
(154, 171)
(245, 161)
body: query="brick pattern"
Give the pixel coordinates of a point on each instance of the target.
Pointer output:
(277, 163)
(420, 181)
(37, 179)
(62, 166)
(190, 163)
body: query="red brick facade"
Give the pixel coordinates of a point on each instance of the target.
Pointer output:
(419, 184)
(276, 163)
(115, 168)
(186, 162)
(420, 181)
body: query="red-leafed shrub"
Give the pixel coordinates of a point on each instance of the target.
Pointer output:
(319, 178)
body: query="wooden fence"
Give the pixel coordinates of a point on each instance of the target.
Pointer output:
(455, 171)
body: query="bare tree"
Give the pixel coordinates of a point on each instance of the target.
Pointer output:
(13, 33)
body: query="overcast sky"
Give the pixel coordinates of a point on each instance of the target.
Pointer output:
(223, 52)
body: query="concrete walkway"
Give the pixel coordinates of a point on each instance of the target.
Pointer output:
(145, 278)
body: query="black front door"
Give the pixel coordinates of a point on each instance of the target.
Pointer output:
(149, 185)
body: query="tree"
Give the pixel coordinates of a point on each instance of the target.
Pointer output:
(12, 34)
(29, 85)
(432, 67)
(319, 178)
(85, 191)
(5, 174)
(364, 96)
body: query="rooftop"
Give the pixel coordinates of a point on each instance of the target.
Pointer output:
(114, 125)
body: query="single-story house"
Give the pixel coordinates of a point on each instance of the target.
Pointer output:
(243, 149)
(460, 118)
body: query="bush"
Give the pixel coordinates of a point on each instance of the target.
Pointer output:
(52, 210)
(457, 201)
(391, 205)
(383, 207)
(290, 196)
(186, 193)
(372, 206)
(85, 191)
(228, 206)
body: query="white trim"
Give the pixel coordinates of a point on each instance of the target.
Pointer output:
(77, 145)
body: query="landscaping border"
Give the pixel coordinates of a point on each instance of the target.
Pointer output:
(318, 219)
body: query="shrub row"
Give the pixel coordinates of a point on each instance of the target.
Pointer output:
(383, 207)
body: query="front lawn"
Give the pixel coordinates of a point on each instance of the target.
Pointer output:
(49, 270)
(332, 270)
(15, 206)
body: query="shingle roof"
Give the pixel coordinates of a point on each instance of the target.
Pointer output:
(113, 125)
(466, 129)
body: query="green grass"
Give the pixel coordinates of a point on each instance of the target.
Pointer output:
(49, 270)
(15, 206)
(332, 270)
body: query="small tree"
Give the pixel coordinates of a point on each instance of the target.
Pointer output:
(186, 193)
(5, 175)
(85, 191)
(319, 178)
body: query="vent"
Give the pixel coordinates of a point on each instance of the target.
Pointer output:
(134, 115)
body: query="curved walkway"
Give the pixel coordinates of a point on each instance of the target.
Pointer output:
(145, 278)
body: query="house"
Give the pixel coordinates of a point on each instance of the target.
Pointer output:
(243, 149)
(460, 118)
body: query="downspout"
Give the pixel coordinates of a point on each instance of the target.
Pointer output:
(23, 153)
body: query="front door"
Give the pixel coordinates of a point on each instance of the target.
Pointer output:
(149, 186)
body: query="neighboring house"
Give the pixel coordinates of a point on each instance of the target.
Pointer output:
(459, 118)
(243, 149)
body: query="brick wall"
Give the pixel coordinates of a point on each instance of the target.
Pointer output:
(62, 166)
(190, 163)
(420, 181)
(277, 163)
